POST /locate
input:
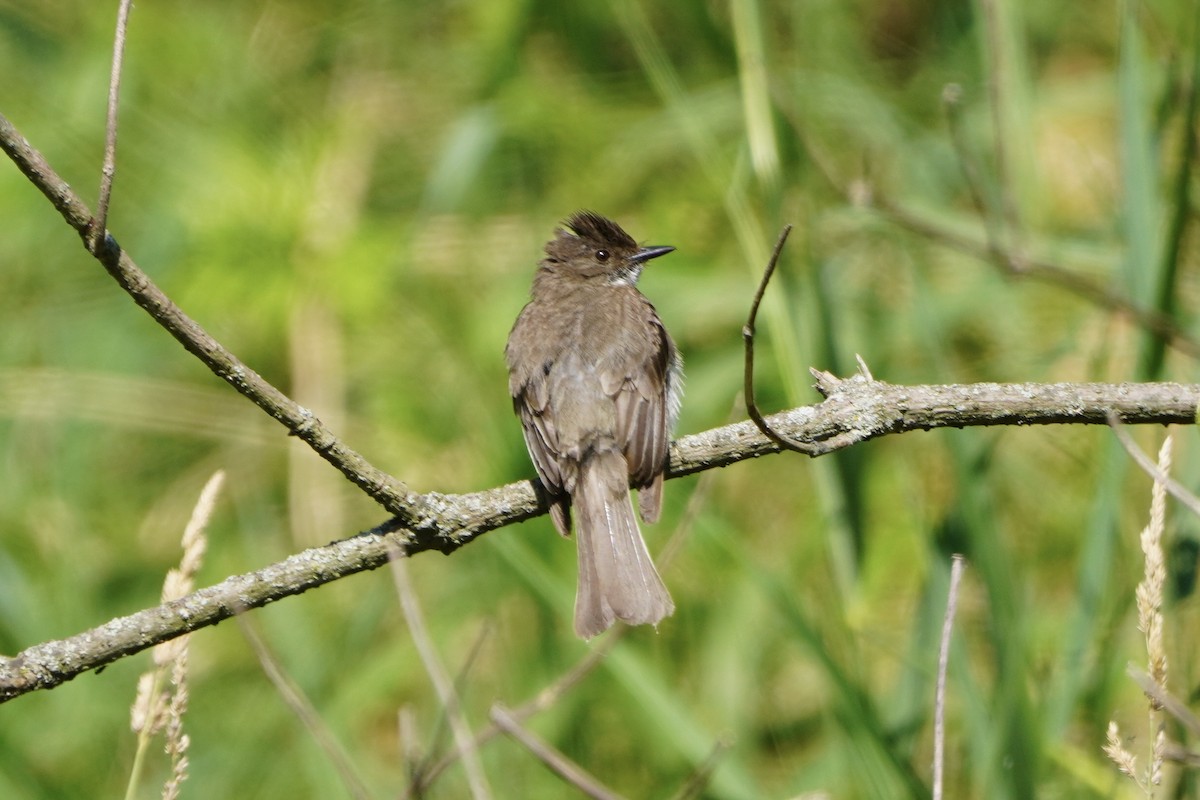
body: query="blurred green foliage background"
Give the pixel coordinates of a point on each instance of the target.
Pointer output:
(352, 197)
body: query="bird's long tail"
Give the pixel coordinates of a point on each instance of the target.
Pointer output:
(617, 579)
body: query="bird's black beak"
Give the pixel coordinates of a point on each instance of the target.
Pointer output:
(647, 253)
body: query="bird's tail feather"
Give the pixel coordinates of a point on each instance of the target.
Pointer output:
(617, 579)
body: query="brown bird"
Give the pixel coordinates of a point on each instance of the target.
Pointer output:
(597, 382)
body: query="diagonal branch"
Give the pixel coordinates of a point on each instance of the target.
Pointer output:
(1025, 266)
(574, 775)
(299, 421)
(855, 410)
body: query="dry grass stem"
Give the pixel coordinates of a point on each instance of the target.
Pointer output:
(1149, 594)
(957, 565)
(1150, 591)
(409, 746)
(156, 708)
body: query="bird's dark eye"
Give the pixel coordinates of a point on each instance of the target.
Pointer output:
(602, 255)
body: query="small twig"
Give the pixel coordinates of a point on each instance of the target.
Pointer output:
(783, 441)
(997, 78)
(544, 699)
(409, 747)
(1169, 702)
(421, 767)
(952, 103)
(1045, 272)
(295, 699)
(957, 565)
(861, 194)
(702, 774)
(439, 678)
(1176, 489)
(99, 227)
(423, 771)
(558, 763)
(1177, 753)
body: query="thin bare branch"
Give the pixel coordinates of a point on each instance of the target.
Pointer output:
(696, 783)
(748, 338)
(1024, 266)
(998, 78)
(295, 699)
(442, 684)
(1176, 489)
(558, 763)
(1169, 702)
(861, 193)
(543, 700)
(420, 769)
(99, 226)
(952, 105)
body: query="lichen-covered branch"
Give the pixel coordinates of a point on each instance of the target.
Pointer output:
(855, 410)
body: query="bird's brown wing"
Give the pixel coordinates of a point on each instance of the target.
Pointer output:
(641, 406)
(531, 400)
(541, 437)
(529, 386)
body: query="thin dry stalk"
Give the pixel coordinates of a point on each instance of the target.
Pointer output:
(410, 747)
(546, 698)
(156, 708)
(442, 684)
(1173, 487)
(419, 768)
(999, 71)
(1150, 594)
(698, 781)
(957, 565)
(558, 763)
(302, 707)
